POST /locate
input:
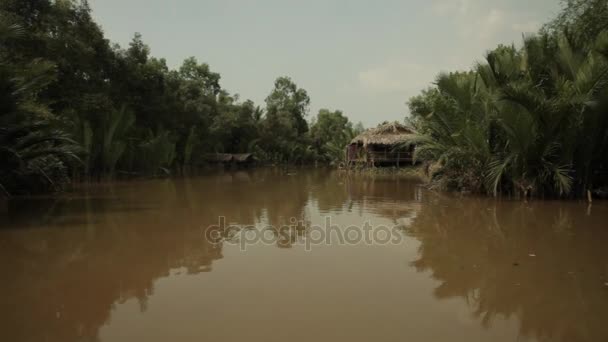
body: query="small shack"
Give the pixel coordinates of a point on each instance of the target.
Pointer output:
(382, 146)
(238, 159)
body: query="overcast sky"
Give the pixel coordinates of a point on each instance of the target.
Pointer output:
(363, 57)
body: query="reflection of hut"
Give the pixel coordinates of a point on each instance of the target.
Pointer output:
(230, 159)
(382, 146)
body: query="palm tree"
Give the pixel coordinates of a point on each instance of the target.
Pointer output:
(530, 121)
(546, 114)
(35, 157)
(113, 138)
(34, 153)
(453, 138)
(153, 153)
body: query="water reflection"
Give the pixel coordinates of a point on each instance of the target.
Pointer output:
(544, 263)
(69, 263)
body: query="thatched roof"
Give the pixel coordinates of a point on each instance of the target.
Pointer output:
(243, 157)
(390, 133)
(228, 158)
(219, 157)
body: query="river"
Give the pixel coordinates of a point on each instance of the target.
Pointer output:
(300, 255)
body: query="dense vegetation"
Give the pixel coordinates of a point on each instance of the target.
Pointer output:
(527, 121)
(73, 105)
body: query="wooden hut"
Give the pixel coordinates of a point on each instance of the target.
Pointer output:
(239, 159)
(382, 146)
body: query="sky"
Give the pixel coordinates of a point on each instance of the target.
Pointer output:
(364, 57)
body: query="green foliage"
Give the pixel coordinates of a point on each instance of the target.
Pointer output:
(190, 145)
(330, 133)
(35, 158)
(151, 155)
(34, 154)
(529, 121)
(283, 130)
(287, 105)
(453, 134)
(113, 136)
(123, 110)
(581, 20)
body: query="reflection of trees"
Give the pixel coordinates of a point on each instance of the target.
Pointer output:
(263, 198)
(71, 260)
(480, 251)
(388, 196)
(62, 284)
(64, 274)
(66, 262)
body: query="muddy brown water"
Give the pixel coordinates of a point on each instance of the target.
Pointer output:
(150, 260)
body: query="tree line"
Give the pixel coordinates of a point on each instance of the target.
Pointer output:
(529, 120)
(75, 106)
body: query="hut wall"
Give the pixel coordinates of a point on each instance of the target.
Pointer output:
(389, 155)
(378, 155)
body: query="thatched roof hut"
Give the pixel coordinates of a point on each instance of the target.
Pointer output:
(388, 134)
(243, 157)
(381, 145)
(239, 158)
